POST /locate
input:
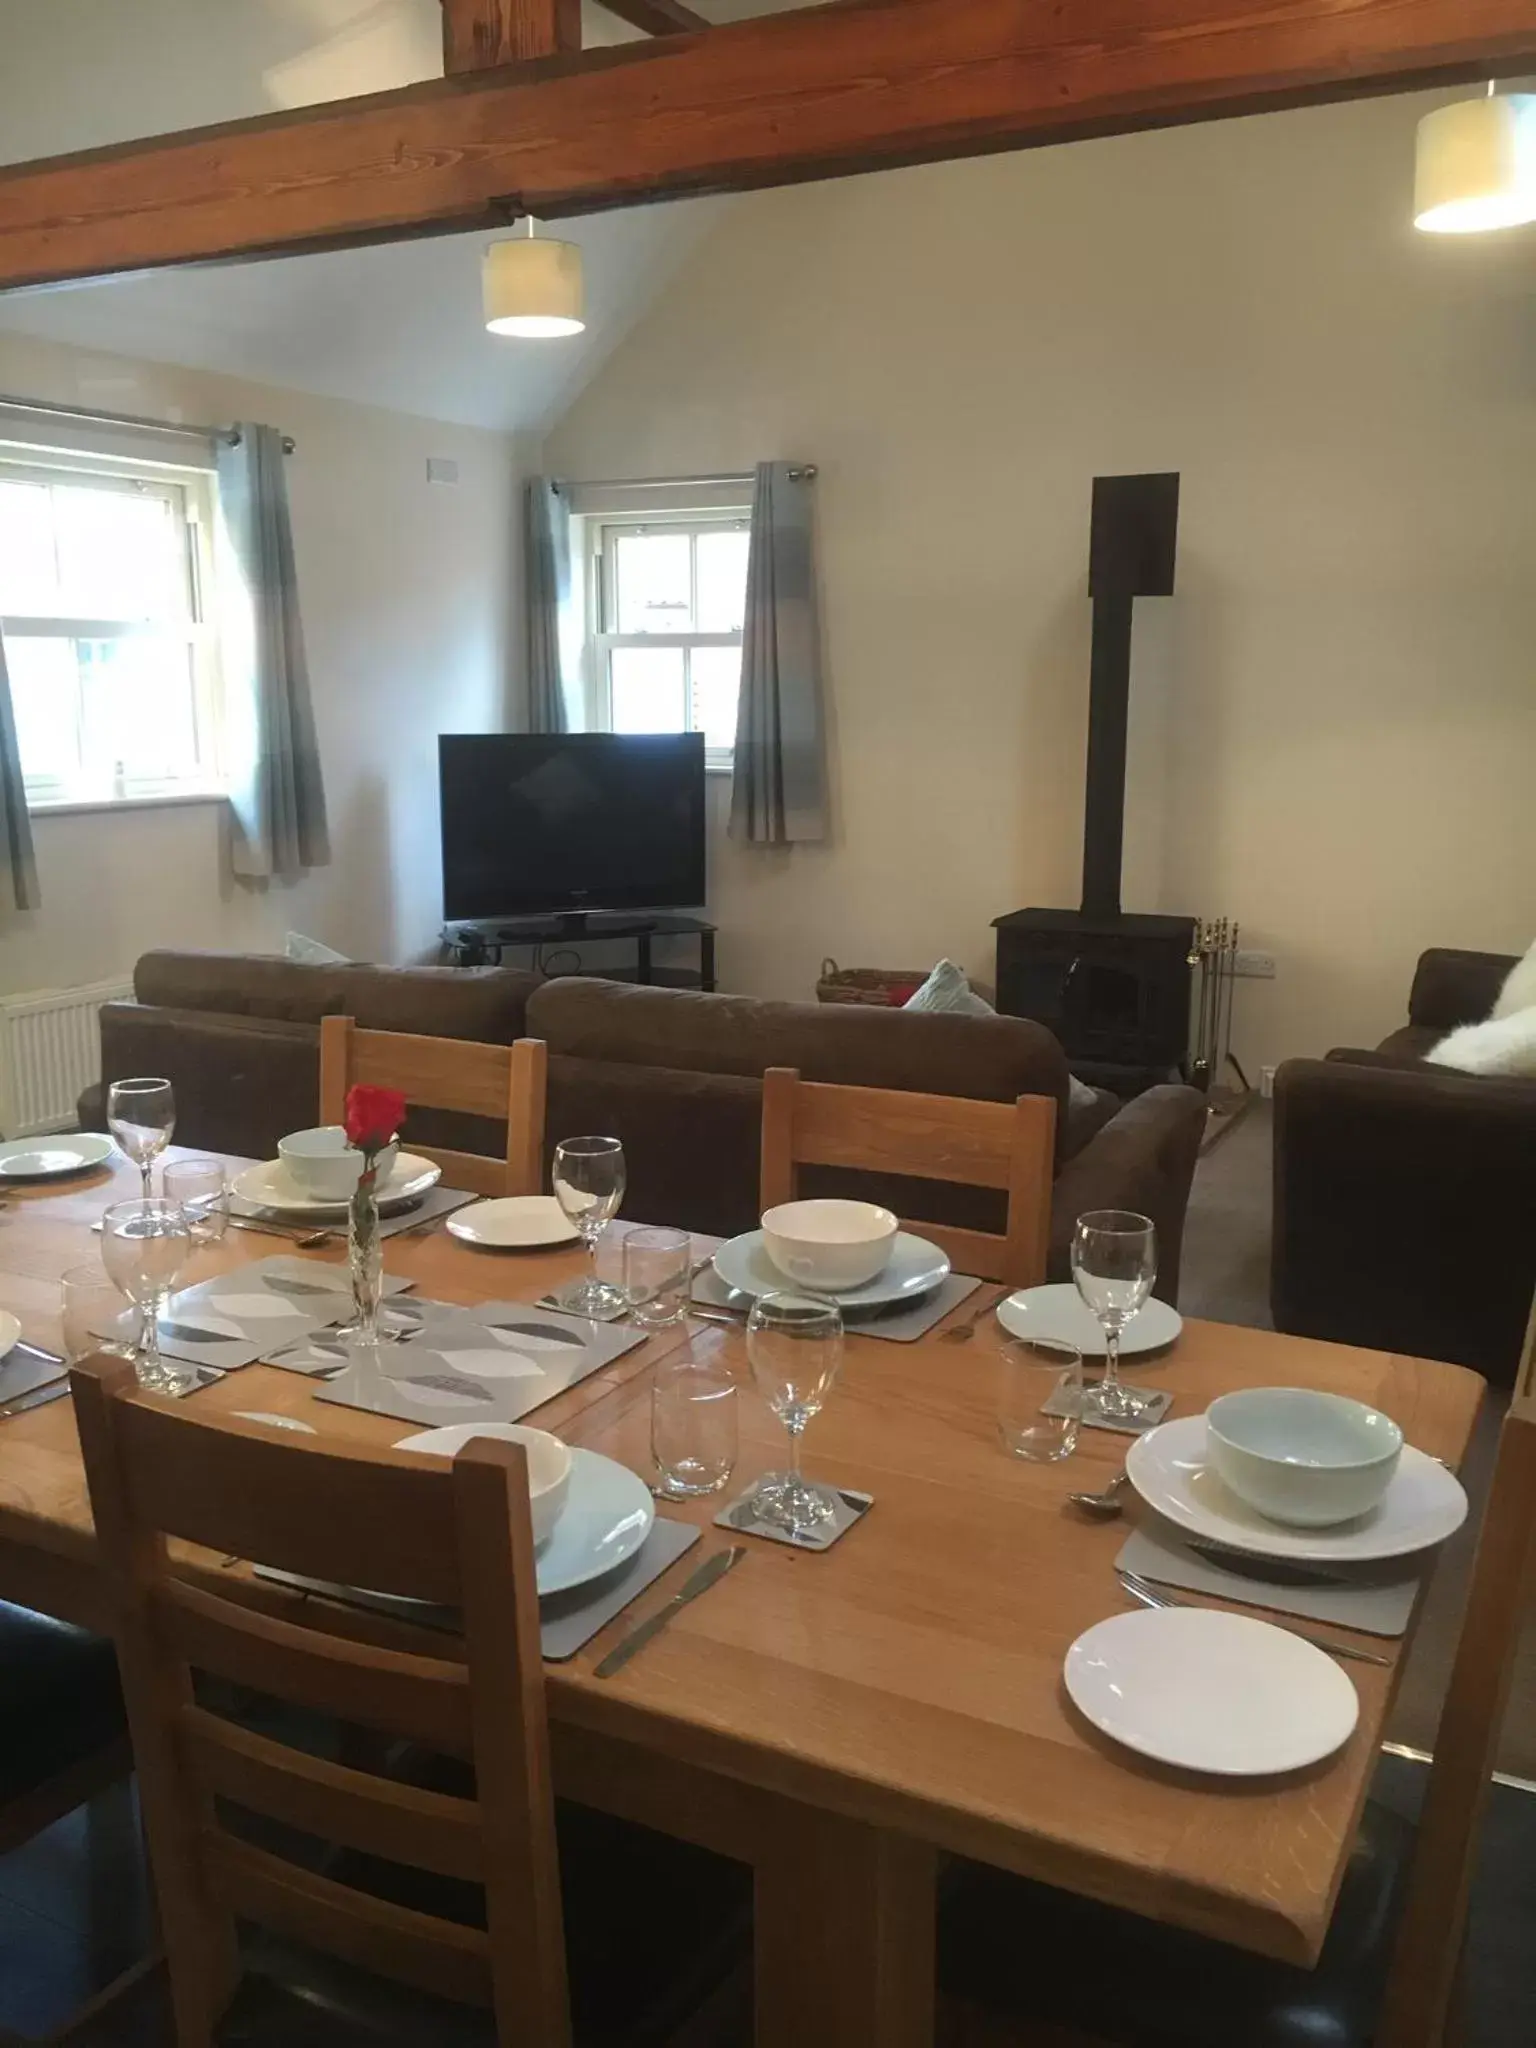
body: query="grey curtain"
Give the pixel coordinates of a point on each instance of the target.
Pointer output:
(546, 597)
(276, 790)
(779, 790)
(16, 859)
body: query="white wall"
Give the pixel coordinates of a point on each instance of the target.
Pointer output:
(411, 605)
(1341, 756)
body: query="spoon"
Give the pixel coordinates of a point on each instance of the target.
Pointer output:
(1104, 1506)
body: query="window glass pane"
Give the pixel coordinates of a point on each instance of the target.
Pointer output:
(714, 675)
(652, 583)
(121, 554)
(722, 581)
(46, 696)
(28, 575)
(138, 708)
(648, 689)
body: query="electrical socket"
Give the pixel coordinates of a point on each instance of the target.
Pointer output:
(1257, 966)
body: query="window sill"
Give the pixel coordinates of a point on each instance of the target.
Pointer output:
(725, 768)
(66, 807)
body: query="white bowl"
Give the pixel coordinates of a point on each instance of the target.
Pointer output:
(549, 1462)
(1300, 1457)
(324, 1165)
(829, 1244)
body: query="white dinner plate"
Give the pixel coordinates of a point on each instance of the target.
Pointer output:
(516, 1223)
(53, 1157)
(1060, 1311)
(1211, 1691)
(10, 1333)
(271, 1186)
(916, 1267)
(607, 1515)
(1424, 1503)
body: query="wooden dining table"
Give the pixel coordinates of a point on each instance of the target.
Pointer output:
(840, 1721)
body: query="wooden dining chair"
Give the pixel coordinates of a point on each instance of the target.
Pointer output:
(501, 1082)
(1005, 1145)
(458, 1536)
(1390, 1971)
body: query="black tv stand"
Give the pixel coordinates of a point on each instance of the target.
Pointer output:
(476, 942)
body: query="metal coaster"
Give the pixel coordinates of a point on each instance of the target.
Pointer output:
(1158, 1404)
(850, 1506)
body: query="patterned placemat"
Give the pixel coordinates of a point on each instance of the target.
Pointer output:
(496, 1362)
(242, 1315)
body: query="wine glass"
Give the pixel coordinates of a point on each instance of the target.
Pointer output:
(200, 1187)
(141, 1115)
(144, 1245)
(588, 1180)
(1114, 1262)
(794, 1346)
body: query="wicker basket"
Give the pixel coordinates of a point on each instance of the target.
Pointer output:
(885, 988)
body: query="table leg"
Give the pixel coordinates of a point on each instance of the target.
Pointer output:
(844, 1918)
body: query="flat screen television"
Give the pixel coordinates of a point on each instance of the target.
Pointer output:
(570, 822)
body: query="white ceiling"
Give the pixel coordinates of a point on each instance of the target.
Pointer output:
(396, 326)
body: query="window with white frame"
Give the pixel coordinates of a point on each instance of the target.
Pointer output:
(666, 600)
(105, 569)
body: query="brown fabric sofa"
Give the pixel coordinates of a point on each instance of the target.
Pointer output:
(1405, 1194)
(676, 1075)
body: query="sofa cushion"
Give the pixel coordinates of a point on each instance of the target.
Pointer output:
(991, 1059)
(484, 1003)
(1405, 1048)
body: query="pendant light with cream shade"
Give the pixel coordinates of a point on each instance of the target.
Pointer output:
(1475, 166)
(533, 287)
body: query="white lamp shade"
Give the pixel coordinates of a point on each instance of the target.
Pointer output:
(533, 288)
(1476, 165)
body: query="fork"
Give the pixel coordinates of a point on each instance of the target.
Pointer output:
(1151, 1596)
(963, 1332)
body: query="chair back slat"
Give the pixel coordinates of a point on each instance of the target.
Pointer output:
(405, 1823)
(394, 1941)
(883, 1131)
(1421, 1991)
(1009, 1146)
(361, 1518)
(501, 1082)
(457, 1533)
(424, 1698)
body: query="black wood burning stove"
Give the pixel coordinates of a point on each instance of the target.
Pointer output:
(1113, 985)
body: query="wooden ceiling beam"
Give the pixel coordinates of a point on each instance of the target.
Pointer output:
(478, 34)
(769, 101)
(656, 17)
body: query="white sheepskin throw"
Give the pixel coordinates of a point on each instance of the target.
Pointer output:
(1519, 990)
(1504, 1045)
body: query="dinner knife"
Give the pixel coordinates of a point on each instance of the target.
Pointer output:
(712, 1569)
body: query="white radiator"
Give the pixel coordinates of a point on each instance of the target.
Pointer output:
(50, 1049)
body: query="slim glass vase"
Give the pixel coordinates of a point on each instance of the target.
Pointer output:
(365, 1258)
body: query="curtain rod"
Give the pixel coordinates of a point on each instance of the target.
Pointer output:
(129, 419)
(805, 473)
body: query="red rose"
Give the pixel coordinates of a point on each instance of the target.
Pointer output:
(373, 1116)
